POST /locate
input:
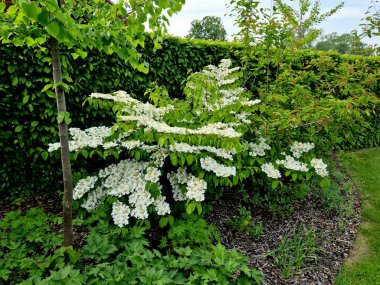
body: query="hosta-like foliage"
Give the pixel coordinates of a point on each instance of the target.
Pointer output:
(197, 145)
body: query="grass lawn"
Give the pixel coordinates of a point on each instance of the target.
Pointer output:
(363, 266)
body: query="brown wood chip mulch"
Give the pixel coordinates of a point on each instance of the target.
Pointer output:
(334, 240)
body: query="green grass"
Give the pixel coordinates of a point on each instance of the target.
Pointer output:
(363, 266)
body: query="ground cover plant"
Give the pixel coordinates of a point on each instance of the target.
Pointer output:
(362, 267)
(31, 254)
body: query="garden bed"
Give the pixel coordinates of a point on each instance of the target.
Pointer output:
(333, 233)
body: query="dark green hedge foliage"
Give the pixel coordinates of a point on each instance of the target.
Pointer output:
(28, 115)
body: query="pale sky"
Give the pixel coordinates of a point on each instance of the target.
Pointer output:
(344, 21)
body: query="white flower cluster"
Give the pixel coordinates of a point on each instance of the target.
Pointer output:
(176, 179)
(92, 137)
(251, 102)
(133, 106)
(162, 207)
(159, 156)
(319, 166)
(195, 187)
(186, 148)
(270, 171)
(222, 72)
(83, 186)
(299, 148)
(243, 117)
(152, 174)
(290, 163)
(258, 149)
(138, 144)
(120, 214)
(220, 170)
(93, 199)
(127, 178)
(219, 129)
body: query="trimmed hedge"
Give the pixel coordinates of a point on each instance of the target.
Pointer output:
(28, 115)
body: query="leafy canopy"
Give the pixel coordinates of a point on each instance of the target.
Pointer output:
(209, 28)
(96, 24)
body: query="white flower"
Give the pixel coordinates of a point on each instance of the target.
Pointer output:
(299, 148)
(320, 167)
(83, 186)
(176, 179)
(196, 189)
(120, 214)
(93, 198)
(162, 207)
(109, 145)
(152, 174)
(292, 164)
(258, 149)
(220, 170)
(270, 171)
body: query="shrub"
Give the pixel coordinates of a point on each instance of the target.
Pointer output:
(197, 146)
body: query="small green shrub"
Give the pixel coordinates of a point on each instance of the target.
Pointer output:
(279, 200)
(243, 223)
(190, 231)
(296, 248)
(331, 197)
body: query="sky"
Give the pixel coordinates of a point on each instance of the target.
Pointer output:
(344, 21)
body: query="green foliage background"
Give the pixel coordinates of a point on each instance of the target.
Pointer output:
(28, 121)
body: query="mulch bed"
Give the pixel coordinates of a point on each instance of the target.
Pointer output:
(335, 242)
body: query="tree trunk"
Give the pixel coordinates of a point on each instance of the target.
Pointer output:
(65, 152)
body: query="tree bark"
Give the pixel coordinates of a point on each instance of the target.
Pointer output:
(65, 152)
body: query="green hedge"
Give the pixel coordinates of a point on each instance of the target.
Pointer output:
(28, 115)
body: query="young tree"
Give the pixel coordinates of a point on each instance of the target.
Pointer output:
(305, 18)
(371, 24)
(209, 28)
(79, 25)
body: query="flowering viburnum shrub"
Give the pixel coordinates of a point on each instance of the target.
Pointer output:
(179, 150)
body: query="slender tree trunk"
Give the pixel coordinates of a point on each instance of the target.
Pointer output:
(65, 152)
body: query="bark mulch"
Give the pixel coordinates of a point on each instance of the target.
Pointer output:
(334, 240)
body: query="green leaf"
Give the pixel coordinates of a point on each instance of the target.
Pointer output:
(53, 29)
(43, 18)
(25, 99)
(19, 129)
(161, 141)
(199, 208)
(163, 222)
(325, 182)
(190, 208)
(173, 159)
(11, 68)
(189, 159)
(45, 155)
(30, 10)
(274, 184)
(47, 87)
